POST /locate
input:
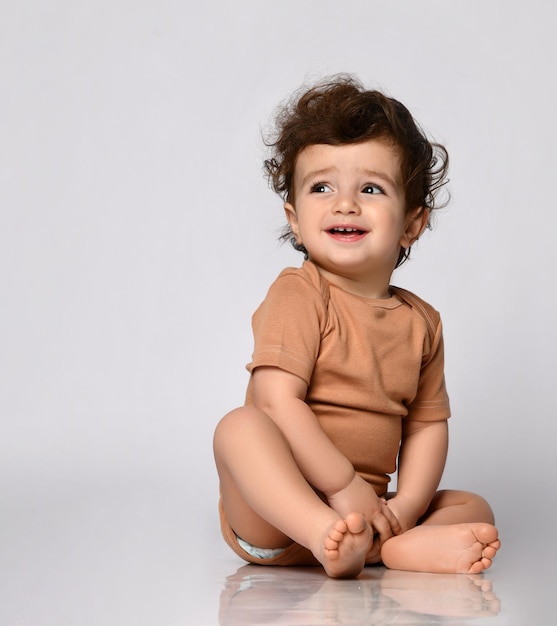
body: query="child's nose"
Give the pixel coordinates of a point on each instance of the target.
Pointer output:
(347, 204)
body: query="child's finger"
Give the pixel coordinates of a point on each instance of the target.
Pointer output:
(391, 518)
(382, 526)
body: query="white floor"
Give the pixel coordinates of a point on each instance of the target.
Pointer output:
(130, 552)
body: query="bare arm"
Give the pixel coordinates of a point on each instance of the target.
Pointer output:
(281, 395)
(422, 459)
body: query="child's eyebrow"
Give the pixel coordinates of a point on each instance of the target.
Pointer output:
(378, 174)
(317, 174)
(313, 174)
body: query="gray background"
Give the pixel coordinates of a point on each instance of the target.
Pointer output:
(137, 236)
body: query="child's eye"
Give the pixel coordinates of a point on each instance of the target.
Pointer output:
(320, 188)
(372, 189)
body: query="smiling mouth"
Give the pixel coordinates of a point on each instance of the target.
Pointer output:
(348, 232)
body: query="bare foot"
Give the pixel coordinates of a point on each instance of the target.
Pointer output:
(453, 549)
(343, 550)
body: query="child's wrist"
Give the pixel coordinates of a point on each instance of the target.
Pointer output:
(410, 508)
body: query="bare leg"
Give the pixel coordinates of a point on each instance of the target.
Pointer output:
(269, 503)
(456, 536)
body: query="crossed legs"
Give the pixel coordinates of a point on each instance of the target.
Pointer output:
(269, 504)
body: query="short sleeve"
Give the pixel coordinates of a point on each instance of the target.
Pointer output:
(432, 401)
(287, 326)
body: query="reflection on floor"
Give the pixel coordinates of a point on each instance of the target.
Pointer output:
(301, 596)
(139, 553)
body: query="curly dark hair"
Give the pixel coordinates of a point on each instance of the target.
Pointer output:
(341, 111)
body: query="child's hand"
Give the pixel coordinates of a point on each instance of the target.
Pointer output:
(374, 552)
(403, 511)
(406, 519)
(360, 497)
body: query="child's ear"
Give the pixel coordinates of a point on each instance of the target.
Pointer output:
(416, 223)
(292, 218)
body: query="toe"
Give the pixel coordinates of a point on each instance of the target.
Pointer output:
(331, 544)
(476, 568)
(486, 533)
(356, 523)
(489, 552)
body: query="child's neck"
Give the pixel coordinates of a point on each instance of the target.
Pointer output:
(373, 287)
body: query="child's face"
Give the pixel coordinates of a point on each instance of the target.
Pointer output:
(349, 213)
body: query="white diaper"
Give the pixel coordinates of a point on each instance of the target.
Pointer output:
(259, 553)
